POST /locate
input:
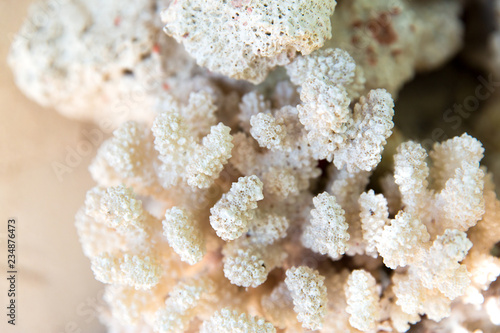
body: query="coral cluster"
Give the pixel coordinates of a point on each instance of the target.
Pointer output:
(93, 58)
(221, 206)
(259, 35)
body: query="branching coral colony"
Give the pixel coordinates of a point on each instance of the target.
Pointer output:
(209, 217)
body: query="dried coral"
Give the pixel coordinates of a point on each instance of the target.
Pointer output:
(308, 294)
(184, 235)
(233, 212)
(232, 321)
(363, 302)
(208, 214)
(93, 60)
(327, 231)
(256, 35)
(392, 40)
(352, 138)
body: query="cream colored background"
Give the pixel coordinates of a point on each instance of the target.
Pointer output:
(55, 288)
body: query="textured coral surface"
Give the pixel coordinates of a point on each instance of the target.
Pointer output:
(259, 181)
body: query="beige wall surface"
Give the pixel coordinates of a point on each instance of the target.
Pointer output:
(55, 289)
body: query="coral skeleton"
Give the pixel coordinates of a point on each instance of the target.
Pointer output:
(239, 192)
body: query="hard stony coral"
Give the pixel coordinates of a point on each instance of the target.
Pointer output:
(184, 235)
(428, 234)
(420, 237)
(252, 37)
(363, 303)
(327, 231)
(104, 61)
(232, 321)
(152, 160)
(248, 265)
(232, 213)
(241, 208)
(182, 304)
(353, 138)
(308, 293)
(257, 225)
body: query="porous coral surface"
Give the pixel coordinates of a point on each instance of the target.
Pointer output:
(224, 206)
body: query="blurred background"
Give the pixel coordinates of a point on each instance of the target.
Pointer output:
(56, 291)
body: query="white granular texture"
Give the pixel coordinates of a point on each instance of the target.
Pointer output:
(247, 264)
(227, 321)
(231, 215)
(213, 205)
(326, 232)
(142, 272)
(210, 158)
(268, 132)
(252, 36)
(411, 173)
(309, 296)
(401, 242)
(176, 143)
(124, 158)
(374, 216)
(181, 306)
(100, 61)
(442, 264)
(332, 65)
(184, 235)
(371, 127)
(363, 301)
(268, 227)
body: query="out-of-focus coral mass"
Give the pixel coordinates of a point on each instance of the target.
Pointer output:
(255, 180)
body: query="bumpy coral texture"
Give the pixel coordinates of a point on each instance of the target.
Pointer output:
(252, 36)
(183, 272)
(103, 61)
(182, 304)
(232, 321)
(362, 300)
(351, 138)
(184, 235)
(309, 296)
(421, 236)
(232, 213)
(258, 226)
(243, 208)
(392, 40)
(151, 160)
(221, 206)
(248, 265)
(327, 231)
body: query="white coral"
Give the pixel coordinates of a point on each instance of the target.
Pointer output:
(327, 231)
(181, 306)
(97, 61)
(209, 159)
(227, 321)
(441, 263)
(142, 272)
(247, 264)
(309, 296)
(231, 215)
(184, 235)
(354, 138)
(363, 301)
(374, 216)
(252, 36)
(402, 242)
